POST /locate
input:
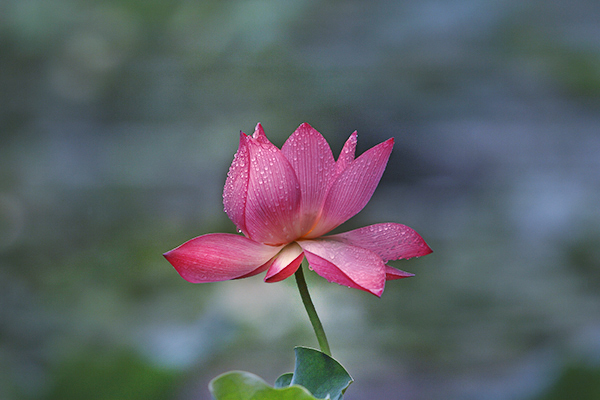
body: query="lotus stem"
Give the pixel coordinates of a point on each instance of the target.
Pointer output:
(311, 311)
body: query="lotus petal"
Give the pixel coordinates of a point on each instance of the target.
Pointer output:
(345, 264)
(353, 188)
(390, 241)
(273, 194)
(285, 263)
(310, 155)
(219, 257)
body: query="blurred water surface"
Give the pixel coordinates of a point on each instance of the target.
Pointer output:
(118, 122)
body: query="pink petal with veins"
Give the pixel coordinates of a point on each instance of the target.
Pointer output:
(393, 273)
(346, 156)
(310, 155)
(258, 270)
(285, 263)
(353, 188)
(346, 265)
(236, 185)
(219, 257)
(389, 241)
(273, 195)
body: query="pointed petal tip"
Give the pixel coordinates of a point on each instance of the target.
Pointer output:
(350, 145)
(169, 255)
(421, 248)
(423, 251)
(428, 250)
(305, 128)
(243, 138)
(305, 125)
(392, 273)
(259, 133)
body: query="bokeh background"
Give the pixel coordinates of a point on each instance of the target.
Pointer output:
(118, 122)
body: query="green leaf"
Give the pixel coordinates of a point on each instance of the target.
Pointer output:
(284, 380)
(321, 374)
(109, 373)
(316, 376)
(238, 385)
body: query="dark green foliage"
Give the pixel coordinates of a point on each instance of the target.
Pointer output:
(579, 382)
(111, 375)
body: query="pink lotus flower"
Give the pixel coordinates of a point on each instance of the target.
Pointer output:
(284, 201)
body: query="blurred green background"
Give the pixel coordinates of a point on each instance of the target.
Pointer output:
(118, 122)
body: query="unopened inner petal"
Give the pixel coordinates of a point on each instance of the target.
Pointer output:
(310, 156)
(285, 263)
(273, 198)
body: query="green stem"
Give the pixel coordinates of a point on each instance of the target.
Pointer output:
(312, 312)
